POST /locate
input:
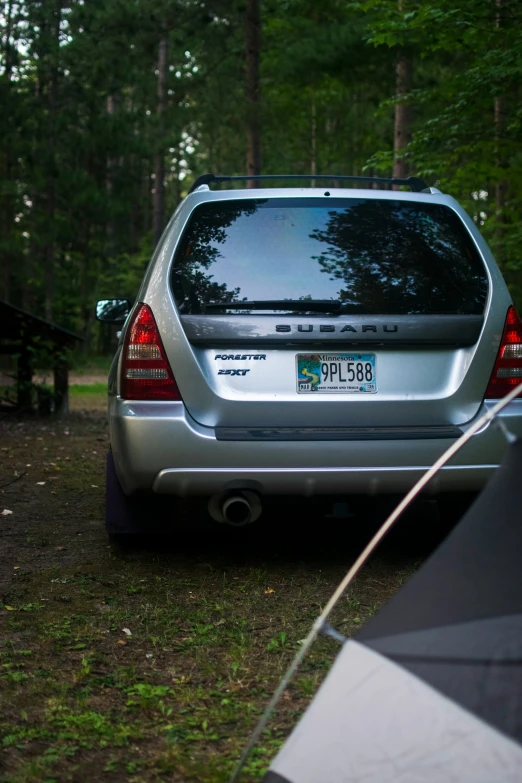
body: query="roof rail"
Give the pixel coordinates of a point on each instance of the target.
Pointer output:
(414, 183)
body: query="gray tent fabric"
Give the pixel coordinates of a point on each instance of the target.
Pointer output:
(373, 721)
(431, 691)
(467, 594)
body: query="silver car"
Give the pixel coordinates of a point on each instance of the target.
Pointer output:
(308, 341)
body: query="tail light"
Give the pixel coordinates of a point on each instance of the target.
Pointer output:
(145, 371)
(507, 371)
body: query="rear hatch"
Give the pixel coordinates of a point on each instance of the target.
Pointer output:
(331, 312)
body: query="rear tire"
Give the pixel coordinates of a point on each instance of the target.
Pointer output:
(125, 517)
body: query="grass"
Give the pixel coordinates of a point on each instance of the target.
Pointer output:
(186, 686)
(88, 396)
(88, 389)
(91, 365)
(150, 663)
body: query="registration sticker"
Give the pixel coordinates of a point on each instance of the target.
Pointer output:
(336, 373)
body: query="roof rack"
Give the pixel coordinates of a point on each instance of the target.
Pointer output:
(414, 183)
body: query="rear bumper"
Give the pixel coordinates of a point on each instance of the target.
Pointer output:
(157, 445)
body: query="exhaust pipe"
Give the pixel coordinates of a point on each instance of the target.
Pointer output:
(237, 511)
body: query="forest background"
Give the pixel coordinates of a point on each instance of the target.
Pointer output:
(111, 108)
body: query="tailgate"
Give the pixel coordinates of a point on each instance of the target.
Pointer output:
(352, 312)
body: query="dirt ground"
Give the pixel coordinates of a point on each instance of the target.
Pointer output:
(152, 663)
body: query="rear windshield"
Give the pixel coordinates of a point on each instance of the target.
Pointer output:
(366, 255)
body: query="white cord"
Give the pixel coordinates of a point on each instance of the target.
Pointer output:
(361, 560)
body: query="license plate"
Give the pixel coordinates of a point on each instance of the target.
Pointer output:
(336, 373)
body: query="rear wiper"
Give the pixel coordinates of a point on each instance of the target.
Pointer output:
(312, 306)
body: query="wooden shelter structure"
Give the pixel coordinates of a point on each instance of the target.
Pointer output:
(24, 334)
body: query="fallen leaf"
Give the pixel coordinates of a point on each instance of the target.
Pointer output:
(40, 483)
(28, 465)
(10, 608)
(270, 590)
(148, 655)
(60, 548)
(6, 512)
(127, 631)
(121, 641)
(95, 486)
(16, 567)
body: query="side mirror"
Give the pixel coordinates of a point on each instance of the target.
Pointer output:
(112, 311)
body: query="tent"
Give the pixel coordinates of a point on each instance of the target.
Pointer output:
(430, 691)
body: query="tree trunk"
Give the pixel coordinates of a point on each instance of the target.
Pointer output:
(7, 208)
(87, 294)
(135, 211)
(403, 113)
(177, 182)
(252, 90)
(61, 387)
(313, 141)
(112, 108)
(33, 260)
(355, 135)
(51, 167)
(500, 109)
(500, 187)
(158, 195)
(24, 381)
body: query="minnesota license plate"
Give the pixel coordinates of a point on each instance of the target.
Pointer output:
(336, 373)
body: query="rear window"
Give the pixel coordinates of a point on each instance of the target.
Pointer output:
(368, 255)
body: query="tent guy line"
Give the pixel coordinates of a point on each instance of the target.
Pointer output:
(320, 625)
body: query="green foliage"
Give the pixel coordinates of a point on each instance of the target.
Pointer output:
(277, 642)
(468, 129)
